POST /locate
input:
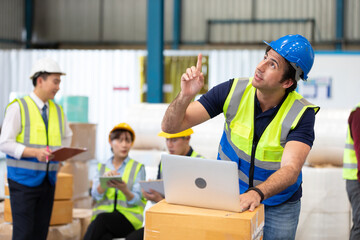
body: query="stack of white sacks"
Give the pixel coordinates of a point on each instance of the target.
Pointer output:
(325, 212)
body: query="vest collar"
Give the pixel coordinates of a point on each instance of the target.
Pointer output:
(190, 152)
(39, 103)
(277, 107)
(110, 164)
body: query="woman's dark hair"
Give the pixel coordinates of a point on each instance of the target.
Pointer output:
(117, 133)
(288, 73)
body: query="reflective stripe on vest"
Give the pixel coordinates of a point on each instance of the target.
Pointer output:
(29, 171)
(195, 154)
(237, 140)
(36, 166)
(134, 213)
(350, 163)
(35, 135)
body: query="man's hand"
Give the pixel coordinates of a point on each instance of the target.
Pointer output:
(43, 154)
(182, 113)
(292, 160)
(192, 80)
(250, 200)
(152, 195)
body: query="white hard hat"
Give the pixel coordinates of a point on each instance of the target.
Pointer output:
(45, 65)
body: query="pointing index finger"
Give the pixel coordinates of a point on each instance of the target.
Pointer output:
(199, 62)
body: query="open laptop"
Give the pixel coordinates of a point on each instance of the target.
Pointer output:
(201, 182)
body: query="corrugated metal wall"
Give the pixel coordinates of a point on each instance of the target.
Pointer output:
(111, 78)
(95, 20)
(352, 20)
(323, 11)
(11, 22)
(66, 20)
(95, 74)
(125, 21)
(89, 73)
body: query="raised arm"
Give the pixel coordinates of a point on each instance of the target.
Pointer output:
(182, 113)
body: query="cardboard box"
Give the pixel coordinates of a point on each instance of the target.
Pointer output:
(168, 221)
(7, 210)
(61, 213)
(84, 216)
(85, 202)
(64, 186)
(80, 172)
(5, 231)
(84, 135)
(70, 231)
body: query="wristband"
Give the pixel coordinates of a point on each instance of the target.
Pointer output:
(262, 196)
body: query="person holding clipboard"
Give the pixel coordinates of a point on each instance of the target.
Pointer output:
(119, 204)
(33, 127)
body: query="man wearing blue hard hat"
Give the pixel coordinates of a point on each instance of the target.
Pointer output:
(268, 131)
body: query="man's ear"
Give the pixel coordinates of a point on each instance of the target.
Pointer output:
(39, 81)
(288, 83)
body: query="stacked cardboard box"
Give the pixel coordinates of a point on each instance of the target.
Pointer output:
(62, 224)
(84, 216)
(168, 221)
(84, 135)
(70, 231)
(62, 208)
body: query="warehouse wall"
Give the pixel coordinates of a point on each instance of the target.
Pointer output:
(111, 79)
(125, 21)
(11, 23)
(95, 21)
(89, 73)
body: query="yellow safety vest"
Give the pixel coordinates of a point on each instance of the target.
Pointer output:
(350, 168)
(237, 143)
(134, 213)
(30, 171)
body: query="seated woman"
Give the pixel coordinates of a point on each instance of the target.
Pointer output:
(119, 205)
(178, 144)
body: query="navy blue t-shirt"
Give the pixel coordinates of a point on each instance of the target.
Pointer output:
(213, 101)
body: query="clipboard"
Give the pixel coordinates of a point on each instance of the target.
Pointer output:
(65, 153)
(104, 180)
(157, 185)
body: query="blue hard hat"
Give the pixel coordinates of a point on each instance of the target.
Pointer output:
(297, 50)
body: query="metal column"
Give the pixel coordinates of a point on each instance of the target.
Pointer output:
(177, 24)
(29, 12)
(155, 46)
(339, 24)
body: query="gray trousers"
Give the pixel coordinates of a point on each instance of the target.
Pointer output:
(353, 191)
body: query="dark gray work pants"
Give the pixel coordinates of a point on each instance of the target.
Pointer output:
(353, 191)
